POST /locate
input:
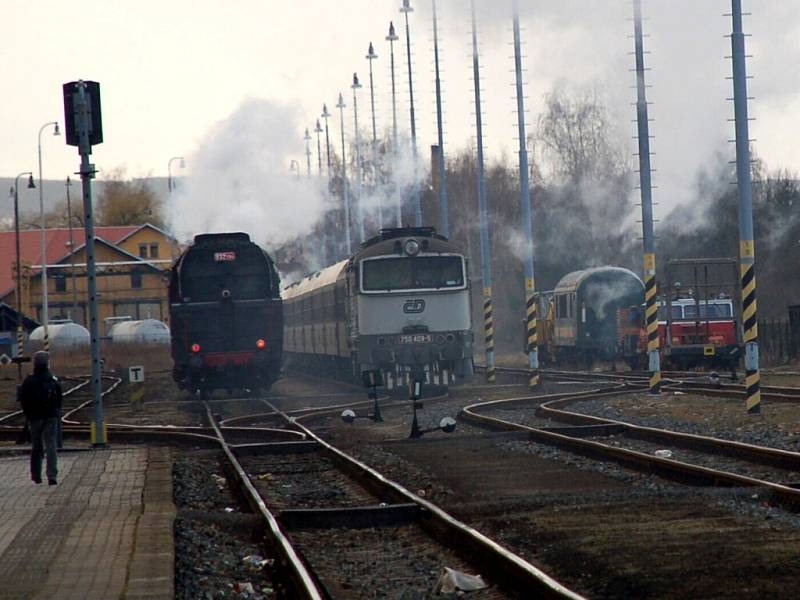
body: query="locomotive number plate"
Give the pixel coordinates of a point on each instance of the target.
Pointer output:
(417, 338)
(224, 256)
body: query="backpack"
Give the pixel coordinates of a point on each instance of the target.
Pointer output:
(39, 396)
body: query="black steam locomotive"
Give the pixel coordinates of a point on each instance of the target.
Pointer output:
(226, 315)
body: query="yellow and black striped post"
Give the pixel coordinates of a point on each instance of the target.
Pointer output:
(750, 325)
(20, 342)
(746, 236)
(46, 338)
(651, 320)
(20, 351)
(527, 212)
(533, 338)
(488, 329)
(646, 187)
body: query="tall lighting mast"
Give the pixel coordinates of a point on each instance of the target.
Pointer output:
(345, 198)
(405, 9)
(483, 210)
(527, 218)
(374, 149)
(444, 226)
(392, 38)
(646, 187)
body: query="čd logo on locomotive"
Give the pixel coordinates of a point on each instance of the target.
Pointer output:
(414, 306)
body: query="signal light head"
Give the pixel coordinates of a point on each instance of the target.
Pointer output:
(261, 344)
(195, 348)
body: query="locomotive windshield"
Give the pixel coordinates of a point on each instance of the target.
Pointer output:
(412, 273)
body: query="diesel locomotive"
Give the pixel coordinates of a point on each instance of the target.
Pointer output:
(226, 317)
(398, 309)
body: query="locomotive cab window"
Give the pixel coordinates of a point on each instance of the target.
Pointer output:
(412, 273)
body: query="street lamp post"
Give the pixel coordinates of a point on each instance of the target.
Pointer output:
(405, 9)
(170, 187)
(45, 313)
(392, 38)
(20, 337)
(68, 185)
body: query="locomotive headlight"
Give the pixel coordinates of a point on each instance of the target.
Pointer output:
(411, 247)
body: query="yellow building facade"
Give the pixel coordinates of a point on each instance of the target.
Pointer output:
(132, 278)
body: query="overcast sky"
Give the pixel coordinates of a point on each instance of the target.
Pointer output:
(174, 71)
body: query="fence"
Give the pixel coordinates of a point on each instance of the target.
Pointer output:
(778, 342)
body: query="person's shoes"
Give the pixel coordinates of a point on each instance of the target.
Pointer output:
(52, 482)
(36, 479)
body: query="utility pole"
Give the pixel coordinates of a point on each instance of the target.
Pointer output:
(646, 187)
(747, 248)
(483, 209)
(527, 217)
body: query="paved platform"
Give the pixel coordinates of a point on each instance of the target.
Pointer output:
(104, 532)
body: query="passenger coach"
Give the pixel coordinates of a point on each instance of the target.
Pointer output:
(399, 306)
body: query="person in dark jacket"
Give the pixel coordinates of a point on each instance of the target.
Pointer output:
(40, 396)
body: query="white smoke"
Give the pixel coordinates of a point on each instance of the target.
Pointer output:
(240, 178)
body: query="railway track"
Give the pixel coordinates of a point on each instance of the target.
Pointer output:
(704, 460)
(314, 496)
(689, 381)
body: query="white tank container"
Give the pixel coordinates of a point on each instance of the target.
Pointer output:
(62, 335)
(148, 331)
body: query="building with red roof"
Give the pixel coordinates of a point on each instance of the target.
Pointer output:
(132, 266)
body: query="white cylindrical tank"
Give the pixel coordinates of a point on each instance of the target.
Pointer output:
(148, 331)
(62, 335)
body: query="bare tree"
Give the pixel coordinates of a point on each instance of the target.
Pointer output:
(128, 202)
(575, 136)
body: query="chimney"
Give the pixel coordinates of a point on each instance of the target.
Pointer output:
(435, 157)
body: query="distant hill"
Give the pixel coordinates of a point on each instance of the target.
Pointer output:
(55, 191)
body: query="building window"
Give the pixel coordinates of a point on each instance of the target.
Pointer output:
(142, 250)
(153, 250)
(136, 278)
(61, 283)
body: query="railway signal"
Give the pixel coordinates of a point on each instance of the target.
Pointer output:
(84, 128)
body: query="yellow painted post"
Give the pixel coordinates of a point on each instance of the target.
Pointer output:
(488, 328)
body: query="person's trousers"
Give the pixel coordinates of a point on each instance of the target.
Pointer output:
(43, 439)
